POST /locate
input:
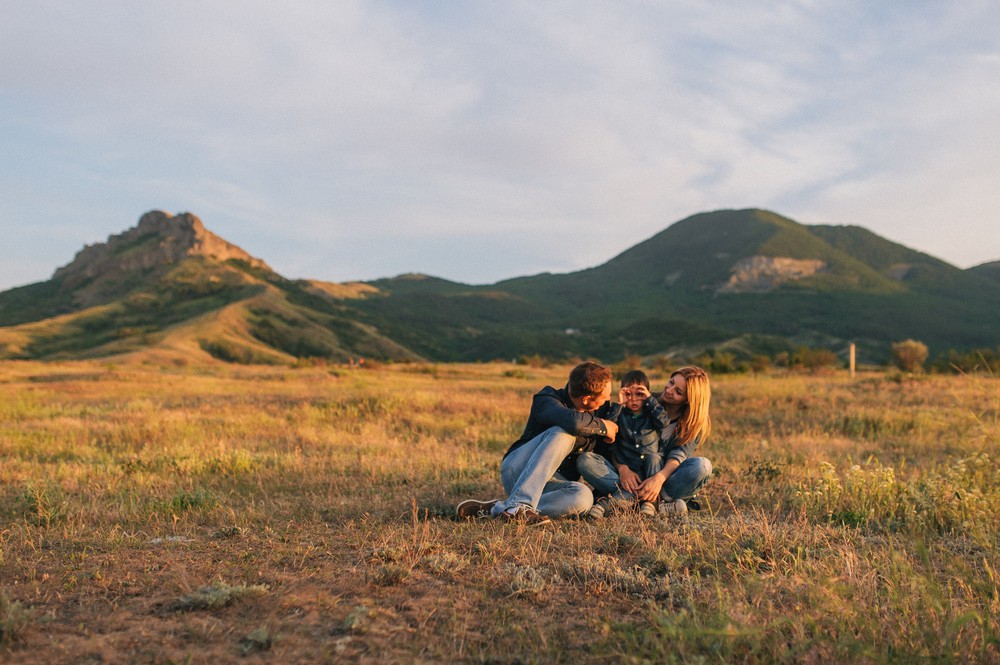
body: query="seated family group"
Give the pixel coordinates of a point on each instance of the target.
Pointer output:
(633, 453)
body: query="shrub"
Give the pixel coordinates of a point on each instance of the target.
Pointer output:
(813, 359)
(986, 360)
(216, 595)
(909, 355)
(13, 619)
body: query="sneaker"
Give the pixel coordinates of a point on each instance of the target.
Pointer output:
(647, 508)
(677, 507)
(694, 503)
(525, 515)
(473, 508)
(600, 508)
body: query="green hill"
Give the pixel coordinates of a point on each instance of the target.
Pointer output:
(990, 270)
(707, 278)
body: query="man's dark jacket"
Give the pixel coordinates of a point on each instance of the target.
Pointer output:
(554, 408)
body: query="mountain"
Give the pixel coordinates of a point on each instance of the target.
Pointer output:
(171, 285)
(707, 278)
(988, 270)
(751, 280)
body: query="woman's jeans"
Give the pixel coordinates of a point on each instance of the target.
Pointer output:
(683, 483)
(529, 477)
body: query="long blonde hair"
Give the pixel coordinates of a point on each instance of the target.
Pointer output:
(695, 423)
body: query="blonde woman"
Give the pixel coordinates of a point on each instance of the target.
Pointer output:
(685, 399)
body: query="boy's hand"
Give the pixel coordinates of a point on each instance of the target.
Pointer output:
(611, 430)
(628, 479)
(638, 391)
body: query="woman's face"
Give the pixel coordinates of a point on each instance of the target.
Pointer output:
(675, 394)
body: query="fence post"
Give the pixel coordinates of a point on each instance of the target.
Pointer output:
(853, 365)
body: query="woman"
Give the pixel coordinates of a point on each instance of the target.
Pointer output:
(686, 399)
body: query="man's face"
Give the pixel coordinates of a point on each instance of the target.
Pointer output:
(594, 402)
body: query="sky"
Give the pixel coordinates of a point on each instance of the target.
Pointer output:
(478, 141)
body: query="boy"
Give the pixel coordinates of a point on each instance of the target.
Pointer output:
(636, 452)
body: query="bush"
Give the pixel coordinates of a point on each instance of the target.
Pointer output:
(909, 355)
(813, 359)
(978, 360)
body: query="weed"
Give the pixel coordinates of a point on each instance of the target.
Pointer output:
(216, 595)
(764, 471)
(261, 639)
(388, 574)
(44, 502)
(200, 499)
(525, 580)
(13, 619)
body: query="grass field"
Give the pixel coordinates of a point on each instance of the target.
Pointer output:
(217, 513)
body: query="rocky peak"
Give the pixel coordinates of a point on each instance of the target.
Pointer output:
(160, 239)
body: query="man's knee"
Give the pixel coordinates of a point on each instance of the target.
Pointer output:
(580, 498)
(557, 436)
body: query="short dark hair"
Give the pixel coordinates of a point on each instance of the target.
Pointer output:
(588, 378)
(635, 377)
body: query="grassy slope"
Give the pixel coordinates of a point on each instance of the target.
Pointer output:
(230, 310)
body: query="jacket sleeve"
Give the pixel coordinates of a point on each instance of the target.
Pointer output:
(655, 409)
(681, 453)
(552, 412)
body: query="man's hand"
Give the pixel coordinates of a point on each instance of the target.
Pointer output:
(628, 479)
(611, 428)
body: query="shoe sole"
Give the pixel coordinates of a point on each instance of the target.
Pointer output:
(473, 508)
(535, 520)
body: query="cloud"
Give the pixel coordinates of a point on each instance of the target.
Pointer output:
(365, 135)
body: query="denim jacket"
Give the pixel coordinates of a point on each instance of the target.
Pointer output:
(639, 436)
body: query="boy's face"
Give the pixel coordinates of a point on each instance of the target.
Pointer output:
(633, 396)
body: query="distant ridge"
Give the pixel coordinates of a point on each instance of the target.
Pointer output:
(989, 270)
(747, 280)
(170, 288)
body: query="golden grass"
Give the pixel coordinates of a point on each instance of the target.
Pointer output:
(212, 513)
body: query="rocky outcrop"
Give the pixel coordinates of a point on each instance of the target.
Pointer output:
(760, 274)
(159, 240)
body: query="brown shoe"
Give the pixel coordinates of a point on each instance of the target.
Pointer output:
(473, 508)
(525, 515)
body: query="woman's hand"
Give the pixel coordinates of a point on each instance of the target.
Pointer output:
(649, 489)
(628, 479)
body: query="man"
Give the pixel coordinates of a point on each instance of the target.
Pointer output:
(538, 471)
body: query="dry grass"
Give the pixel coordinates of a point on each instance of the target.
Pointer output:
(212, 514)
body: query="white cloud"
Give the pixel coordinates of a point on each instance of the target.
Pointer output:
(411, 129)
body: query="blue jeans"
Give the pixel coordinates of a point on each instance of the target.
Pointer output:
(529, 477)
(683, 483)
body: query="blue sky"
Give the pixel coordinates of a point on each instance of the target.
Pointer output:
(484, 140)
